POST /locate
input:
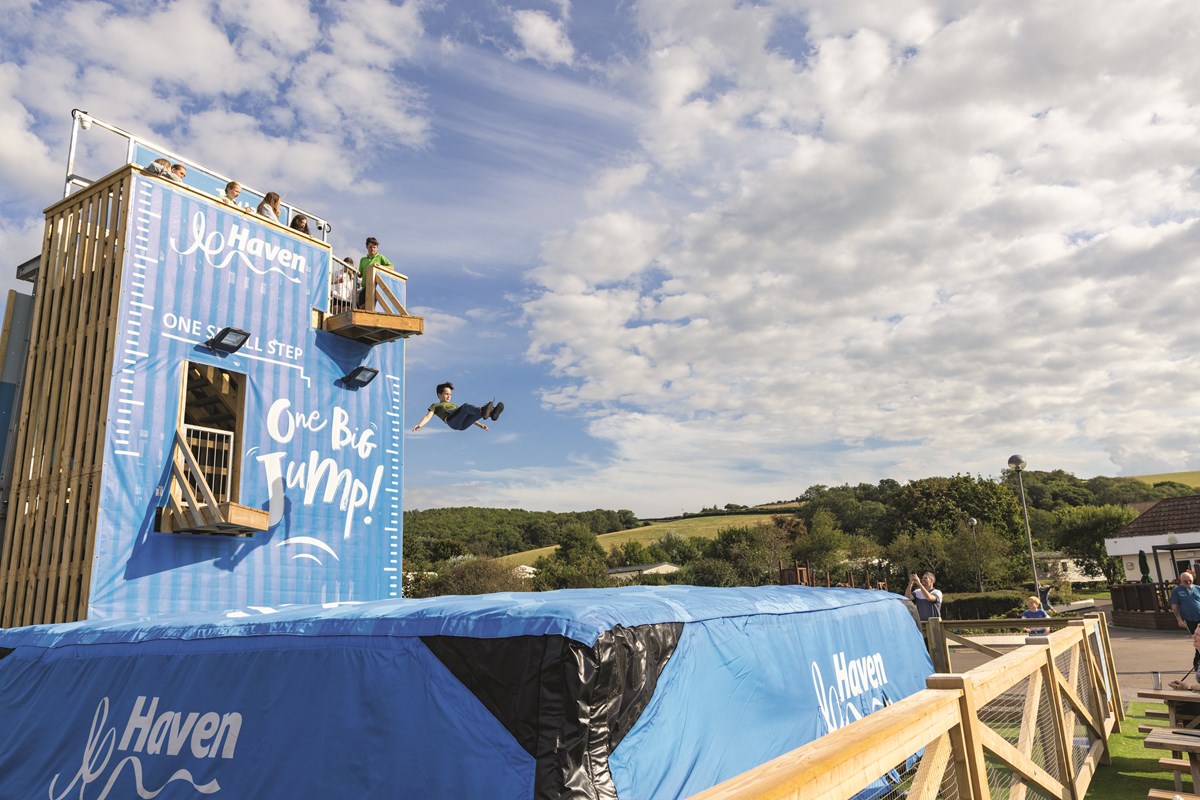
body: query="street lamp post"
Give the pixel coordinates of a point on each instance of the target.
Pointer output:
(1017, 464)
(974, 523)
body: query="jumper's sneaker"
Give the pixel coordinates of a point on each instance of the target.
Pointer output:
(487, 411)
(496, 412)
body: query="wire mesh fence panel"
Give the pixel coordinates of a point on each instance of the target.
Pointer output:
(1044, 753)
(1081, 740)
(928, 775)
(1005, 783)
(1024, 716)
(901, 787)
(1068, 665)
(1004, 713)
(1065, 662)
(948, 788)
(1086, 691)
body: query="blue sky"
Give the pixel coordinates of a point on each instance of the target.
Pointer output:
(705, 252)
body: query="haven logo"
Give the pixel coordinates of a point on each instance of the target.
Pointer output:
(855, 682)
(152, 734)
(219, 250)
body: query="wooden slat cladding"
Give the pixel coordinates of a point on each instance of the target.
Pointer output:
(59, 446)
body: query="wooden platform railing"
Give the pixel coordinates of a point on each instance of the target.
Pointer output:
(977, 635)
(192, 504)
(212, 451)
(1032, 723)
(382, 316)
(382, 285)
(191, 497)
(381, 290)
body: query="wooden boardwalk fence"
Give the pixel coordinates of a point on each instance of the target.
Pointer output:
(1031, 723)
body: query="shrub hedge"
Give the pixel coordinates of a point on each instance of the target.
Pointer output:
(988, 605)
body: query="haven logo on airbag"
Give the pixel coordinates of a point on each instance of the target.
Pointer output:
(149, 734)
(853, 694)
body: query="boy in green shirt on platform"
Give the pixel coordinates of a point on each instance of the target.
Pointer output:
(373, 258)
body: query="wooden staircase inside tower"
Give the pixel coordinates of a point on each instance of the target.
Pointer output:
(212, 397)
(204, 460)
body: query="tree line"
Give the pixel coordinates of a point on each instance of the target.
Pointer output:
(885, 530)
(439, 534)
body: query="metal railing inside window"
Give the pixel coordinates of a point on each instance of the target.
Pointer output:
(213, 450)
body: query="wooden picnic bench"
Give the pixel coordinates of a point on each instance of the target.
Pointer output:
(1184, 741)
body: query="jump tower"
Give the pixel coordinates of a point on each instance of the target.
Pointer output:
(206, 418)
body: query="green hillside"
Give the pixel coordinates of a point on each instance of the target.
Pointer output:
(706, 527)
(1186, 478)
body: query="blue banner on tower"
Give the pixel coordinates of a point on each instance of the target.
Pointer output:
(278, 435)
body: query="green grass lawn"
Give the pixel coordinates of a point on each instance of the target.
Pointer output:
(706, 527)
(1134, 769)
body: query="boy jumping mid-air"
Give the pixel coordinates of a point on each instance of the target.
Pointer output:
(459, 417)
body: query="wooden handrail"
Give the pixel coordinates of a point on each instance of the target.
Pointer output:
(194, 468)
(189, 507)
(845, 757)
(375, 287)
(945, 721)
(939, 638)
(388, 300)
(186, 473)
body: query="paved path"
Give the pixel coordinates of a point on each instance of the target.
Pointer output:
(1140, 653)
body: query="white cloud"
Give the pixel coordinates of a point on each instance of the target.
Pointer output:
(169, 49)
(608, 247)
(279, 26)
(264, 90)
(25, 160)
(766, 243)
(615, 183)
(377, 32)
(367, 107)
(237, 145)
(543, 38)
(931, 241)
(21, 240)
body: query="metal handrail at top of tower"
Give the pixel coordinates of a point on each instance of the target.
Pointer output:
(139, 150)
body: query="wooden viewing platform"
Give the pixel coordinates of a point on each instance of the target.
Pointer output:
(382, 317)
(372, 326)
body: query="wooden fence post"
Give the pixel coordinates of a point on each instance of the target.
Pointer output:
(968, 756)
(939, 647)
(1110, 667)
